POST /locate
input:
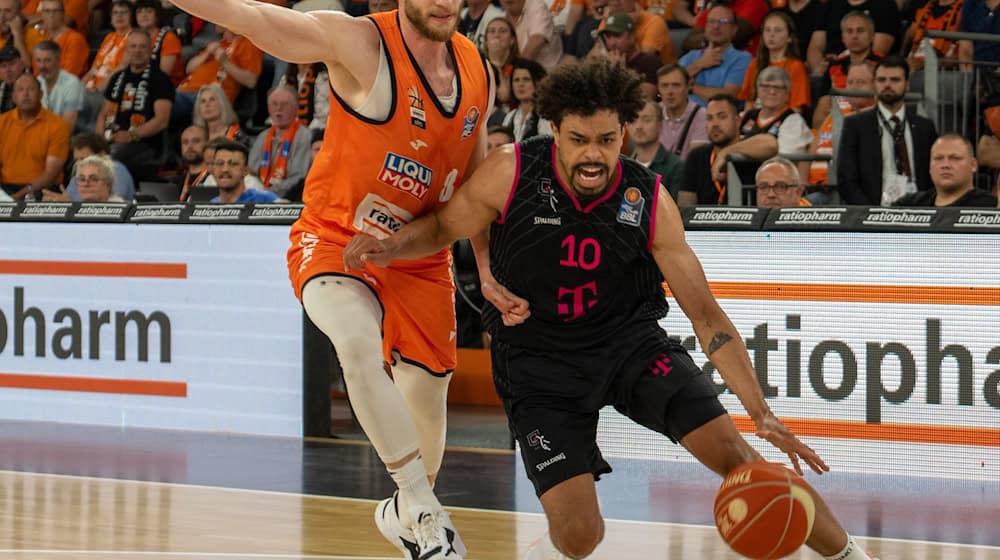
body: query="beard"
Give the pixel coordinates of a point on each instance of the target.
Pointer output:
(888, 97)
(421, 22)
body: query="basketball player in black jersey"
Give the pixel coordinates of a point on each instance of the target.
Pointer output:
(587, 237)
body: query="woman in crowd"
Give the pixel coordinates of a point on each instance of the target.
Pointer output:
(166, 44)
(214, 113)
(96, 175)
(501, 51)
(523, 119)
(779, 46)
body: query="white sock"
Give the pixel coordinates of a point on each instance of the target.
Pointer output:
(414, 490)
(543, 549)
(851, 552)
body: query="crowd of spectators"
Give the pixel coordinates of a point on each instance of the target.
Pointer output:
(166, 98)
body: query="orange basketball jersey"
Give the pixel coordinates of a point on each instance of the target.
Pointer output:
(375, 177)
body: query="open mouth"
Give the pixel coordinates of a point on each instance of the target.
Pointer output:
(590, 177)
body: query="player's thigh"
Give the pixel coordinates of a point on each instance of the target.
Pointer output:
(719, 445)
(347, 311)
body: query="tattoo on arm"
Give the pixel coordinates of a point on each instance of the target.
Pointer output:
(718, 341)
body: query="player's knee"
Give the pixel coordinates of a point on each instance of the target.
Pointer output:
(578, 536)
(358, 360)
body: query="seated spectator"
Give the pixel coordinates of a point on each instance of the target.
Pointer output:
(165, 44)
(196, 173)
(62, 92)
(885, 154)
(953, 165)
(14, 31)
(935, 15)
(136, 109)
(72, 44)
(89, 144)
(618, 37)
(683, 119)
(775, 116)
(858, 32)
(978, 16)
(108, 60)
(34, 143)
(313, 85)
(808, 16)
(778, 184)
(779, 48)
(95, 175)
(651, 32)
(582, 29)
(827, 44)
(498, 135)
(229, 168)
(251, 181)
(77, 14)
(719, 67)
(523, 120)
(11, 67)
(214, 113)
(644, 132)
(234, 62)
(537, 39)
(749, 14)
(475, 16)
(280, 156)
(501, 51)
(705, 168)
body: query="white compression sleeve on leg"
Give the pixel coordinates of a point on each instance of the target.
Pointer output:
(427, 397)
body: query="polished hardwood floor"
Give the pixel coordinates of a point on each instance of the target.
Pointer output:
(91, 493)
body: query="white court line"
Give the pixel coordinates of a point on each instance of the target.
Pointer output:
(190, 554)
(454, 508)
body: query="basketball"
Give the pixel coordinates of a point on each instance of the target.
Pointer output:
(763, 510)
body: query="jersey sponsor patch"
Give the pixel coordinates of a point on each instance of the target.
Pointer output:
(630, 211)
(407, 175)
(380, 218)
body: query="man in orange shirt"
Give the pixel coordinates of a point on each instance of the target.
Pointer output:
(72, 44)
(234, 62)
(77, 14)
(34, 142)
(13, 30)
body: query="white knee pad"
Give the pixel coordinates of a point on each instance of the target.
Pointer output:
(427, 398)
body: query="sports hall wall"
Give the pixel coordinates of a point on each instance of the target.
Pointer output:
(874, 333)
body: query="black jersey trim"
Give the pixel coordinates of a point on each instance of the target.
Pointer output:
(652, 212)
(427, 86)
(404, 359)
(513, 186)
(392, 85)
(607, 194)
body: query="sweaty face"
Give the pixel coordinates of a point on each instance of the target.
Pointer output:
(587, 151)
(434, 19)
(776, 187)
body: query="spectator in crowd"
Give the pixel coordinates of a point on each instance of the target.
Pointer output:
(953, 165)
(705, 167)
(644, 132)
(15, 32)
(95, 175)
(620, 45)
(861, 77)
(77, 14)
(378, 6)
(779, 185)
(686, 11)
(523, 119)
(234, 62)
(475, 16)
(136, 109)
(280, 156)
(827, 44)
(979, 16)
(72, 44)
(108, 60)
(34, 142)
(537, 39)
(501, 51)
(89, 144)
(808, 16)
(858, 32)
(229, 169)
(165, 44)
(214, 113)
(62, 92)
(884, 154)
(651, 32)
(935, 15)
(775, 115)
(313, 85)
(11, 66)
(582, 34)
(498, 135)
(683, 119)
(196, 173)
(779, 48)
(719, 67)
(748, 14)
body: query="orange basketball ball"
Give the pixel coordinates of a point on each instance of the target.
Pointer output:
(764, 510)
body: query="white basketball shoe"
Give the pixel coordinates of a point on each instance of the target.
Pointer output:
(432, 537)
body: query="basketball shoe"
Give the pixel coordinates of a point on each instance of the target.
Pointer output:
(433, 537)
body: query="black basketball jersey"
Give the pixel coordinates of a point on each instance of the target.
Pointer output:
(585, 267)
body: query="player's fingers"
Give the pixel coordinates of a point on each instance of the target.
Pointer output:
(795, 462)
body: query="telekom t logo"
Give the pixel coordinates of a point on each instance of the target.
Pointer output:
(580, 299)
(586, 255)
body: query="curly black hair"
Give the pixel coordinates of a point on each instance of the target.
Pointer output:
(584, 88)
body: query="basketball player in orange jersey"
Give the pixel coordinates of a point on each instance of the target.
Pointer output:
(604, 235)
(406, 126)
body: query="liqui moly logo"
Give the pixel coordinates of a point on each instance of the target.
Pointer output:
(407, 175)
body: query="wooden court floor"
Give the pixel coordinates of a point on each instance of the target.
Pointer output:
(85, 493)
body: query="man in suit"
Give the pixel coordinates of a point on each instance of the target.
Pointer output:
(885, 154)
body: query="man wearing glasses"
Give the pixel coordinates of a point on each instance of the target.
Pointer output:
(779, 185)
(719, 67)
(229, 169)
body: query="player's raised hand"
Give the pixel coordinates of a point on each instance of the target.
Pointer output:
(774, 431)
(363, 249)
(513, 310)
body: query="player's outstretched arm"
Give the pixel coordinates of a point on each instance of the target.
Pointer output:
(718, 336)
(478, 202)
(297, 37)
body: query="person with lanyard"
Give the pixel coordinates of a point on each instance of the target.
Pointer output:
(106, 62)
(705, 168)
(280, 157)
(165, 43)
(136, 109)
(197, 173)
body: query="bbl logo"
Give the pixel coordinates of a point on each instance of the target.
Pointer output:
(630, 212)
(471, 118)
